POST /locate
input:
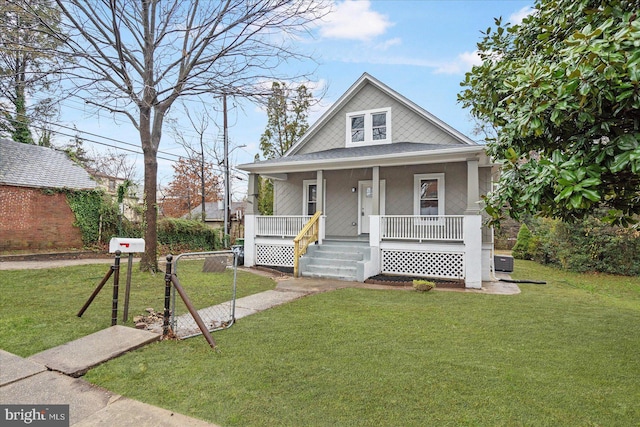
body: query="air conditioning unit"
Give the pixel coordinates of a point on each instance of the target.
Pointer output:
(503, 263)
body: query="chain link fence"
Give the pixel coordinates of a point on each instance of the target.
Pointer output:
(209, 280)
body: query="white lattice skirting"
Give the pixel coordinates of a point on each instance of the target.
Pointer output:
(274, 255)
(446, 265)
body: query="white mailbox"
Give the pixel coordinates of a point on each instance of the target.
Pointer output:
(126, 245)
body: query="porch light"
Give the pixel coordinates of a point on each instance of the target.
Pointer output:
(353, 189)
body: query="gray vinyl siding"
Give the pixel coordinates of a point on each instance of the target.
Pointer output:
(406, 125)
(287, 195)
(342, 203)
(400, 192)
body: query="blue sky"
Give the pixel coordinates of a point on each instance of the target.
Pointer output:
(420, 48)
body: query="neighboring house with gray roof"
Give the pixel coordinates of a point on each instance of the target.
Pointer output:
(214, 216)
(214, 213)
(33, 216)
(399, 193)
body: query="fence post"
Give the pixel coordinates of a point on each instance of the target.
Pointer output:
(116, 282)
(167, 296)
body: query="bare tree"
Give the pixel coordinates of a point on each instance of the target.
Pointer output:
(137, 57)
(115, 164)
(198, 151)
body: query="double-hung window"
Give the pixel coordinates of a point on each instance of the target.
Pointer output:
(310, 197)
(428, 192)
(372, 127)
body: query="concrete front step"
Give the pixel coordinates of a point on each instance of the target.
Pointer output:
(331, 254)
(339, 261)
(331, 271)
(326, 275)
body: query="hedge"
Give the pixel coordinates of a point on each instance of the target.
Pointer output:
(181, 235)
(586, 246)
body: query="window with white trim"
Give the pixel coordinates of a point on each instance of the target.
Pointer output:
(310, 197)
(369, 127)
(428, 190)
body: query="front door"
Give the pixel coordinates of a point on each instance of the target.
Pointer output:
(365, 204)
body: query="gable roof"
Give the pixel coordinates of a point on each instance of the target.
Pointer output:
(353, 90)
(214, 211)
(27, 165)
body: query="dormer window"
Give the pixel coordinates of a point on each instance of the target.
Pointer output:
(369, 127)
(357, 128)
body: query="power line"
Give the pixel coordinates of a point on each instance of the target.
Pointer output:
(98, 142)
(118, 120)
(93, 140)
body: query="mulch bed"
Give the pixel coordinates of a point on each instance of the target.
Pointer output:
(385, 279)
(282, 270)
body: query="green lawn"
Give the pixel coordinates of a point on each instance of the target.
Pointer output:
(39, 307)
(565, 353)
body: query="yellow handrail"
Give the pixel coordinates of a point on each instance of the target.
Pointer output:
(307, 235)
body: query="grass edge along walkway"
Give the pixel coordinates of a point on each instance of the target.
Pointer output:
(558, 354)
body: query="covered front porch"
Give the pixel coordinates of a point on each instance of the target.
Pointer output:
(446, 247)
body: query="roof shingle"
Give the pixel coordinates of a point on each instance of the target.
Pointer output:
(27, 165)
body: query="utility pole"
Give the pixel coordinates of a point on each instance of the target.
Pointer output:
(227, 195)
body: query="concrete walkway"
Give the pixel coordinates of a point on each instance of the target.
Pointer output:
(37, 380)
(50, 377)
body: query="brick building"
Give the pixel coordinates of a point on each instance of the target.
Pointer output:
(32, 214)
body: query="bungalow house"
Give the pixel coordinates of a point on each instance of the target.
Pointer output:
(34, 215)
(379, 185)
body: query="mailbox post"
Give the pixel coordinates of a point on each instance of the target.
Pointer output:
(126, 246)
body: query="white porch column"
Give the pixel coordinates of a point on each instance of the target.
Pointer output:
(252, 196)
(375, 266)
(250, 240)
(473, 188)
(375, 181)
(320, 191)
(472, 229)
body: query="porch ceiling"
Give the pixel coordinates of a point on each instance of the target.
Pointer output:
(396, 154)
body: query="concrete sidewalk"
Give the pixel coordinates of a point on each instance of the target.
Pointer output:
(42, 380)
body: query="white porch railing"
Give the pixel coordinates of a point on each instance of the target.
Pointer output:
(422, 228)
(280, 226)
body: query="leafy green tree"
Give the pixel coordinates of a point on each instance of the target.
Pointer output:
(287, 112)
(28, 66)
(563, 91)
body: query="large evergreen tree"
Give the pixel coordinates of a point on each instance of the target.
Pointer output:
(28, 67)
(563, 91)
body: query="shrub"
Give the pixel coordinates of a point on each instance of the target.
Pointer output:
(423, 285)
(186, 235)
(588, 245)
(524, 246)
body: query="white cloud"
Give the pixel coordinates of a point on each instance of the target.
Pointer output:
(461, 64)
(517, 17)
(389, 43)
(354, 20)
